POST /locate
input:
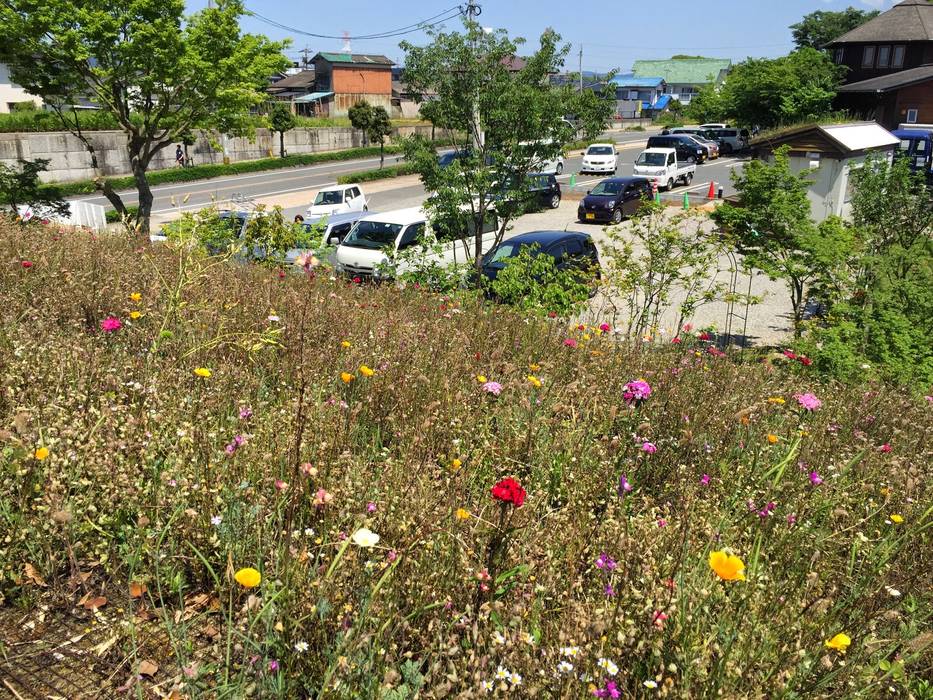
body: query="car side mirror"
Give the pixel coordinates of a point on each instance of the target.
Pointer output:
(588, 191)
(333, 240)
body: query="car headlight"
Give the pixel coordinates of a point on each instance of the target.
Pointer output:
(610, 205)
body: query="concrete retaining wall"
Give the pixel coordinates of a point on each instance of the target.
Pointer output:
(70, 161)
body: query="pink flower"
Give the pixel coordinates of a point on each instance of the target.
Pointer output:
(604, 561)
(662, 522)
(570, 343)
(280, 485)
(110, 324)
(494, 388)
(26, 264)
(649, 447)
(808, 401)
(704, 336)
(658, 618)
(815, 479)
(885, 448)
(392, 556)
(624, 486)
(705, 479)
(790, 355)
(636, 391)
(604, 327)
(688, 327)
(273, 666)
(676, 340)
(370, 507)
(791, 518)
(246, 413)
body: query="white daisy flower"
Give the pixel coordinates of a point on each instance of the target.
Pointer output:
(301, 647)
(608, 666)
(498, 638)
(502, 673)
(515, 679)
(564, 667)
(650, 684)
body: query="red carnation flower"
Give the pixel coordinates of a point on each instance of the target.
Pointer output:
(26, 264)
(704, 336)
(509, 491)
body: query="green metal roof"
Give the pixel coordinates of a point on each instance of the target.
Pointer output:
(696, 71)
(356, 58)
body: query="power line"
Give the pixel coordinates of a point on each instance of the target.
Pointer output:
(444, 16)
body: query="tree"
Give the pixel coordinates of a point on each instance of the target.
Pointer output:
(773, 91)
(503, 124)
(281, 119)
(708, 105)
(379, 127)
(20, 187)
(156, 71)
(819, 28)
(361, 116)
(773, 230)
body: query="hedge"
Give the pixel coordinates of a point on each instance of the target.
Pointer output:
(114, 218)
(377, 174)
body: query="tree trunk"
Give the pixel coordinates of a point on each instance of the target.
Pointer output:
(282, 144)
(144, 195)
(382, 158)
(797, 301)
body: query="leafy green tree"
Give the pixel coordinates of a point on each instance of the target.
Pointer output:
(361, 116)
(156, 71)
(773, 231)
(20, 186)
(378, 128)
(819, 28)
(773, 91)
(533, 282)
(708, 105)
(281, 119)
(503, 124)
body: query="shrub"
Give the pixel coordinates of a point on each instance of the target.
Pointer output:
(377, 174)
(532, 282)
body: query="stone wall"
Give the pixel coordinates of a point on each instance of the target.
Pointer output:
(70, 161)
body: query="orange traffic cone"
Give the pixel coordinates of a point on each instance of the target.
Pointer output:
(712, 190)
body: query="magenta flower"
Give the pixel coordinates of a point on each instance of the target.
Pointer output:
(273, 666)
(609, 591)
(815, 479)
(636, 391)
(110, 324)
(791, 518)
(705, 479)
(604, 327)
(662, 522)
(610, 690)
(808, 401)
(246, 413)
(370, 507)
(885, 448)
(624, 486)
(604, 561)
(649, 447)
(494, 388)
(570, 343)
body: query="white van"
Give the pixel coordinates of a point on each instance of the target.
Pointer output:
(338, 199)
(364, 249)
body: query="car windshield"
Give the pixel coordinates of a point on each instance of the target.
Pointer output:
(372, 235)
(607, 188)
(651, 159)
(599, 151)
(329, 197)
(506, 250)
(446, 159)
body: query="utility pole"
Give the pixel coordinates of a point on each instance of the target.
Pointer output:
(473, 11)
(304, 56)
(581, 68)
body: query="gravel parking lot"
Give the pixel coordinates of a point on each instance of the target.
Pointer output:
(769, 322)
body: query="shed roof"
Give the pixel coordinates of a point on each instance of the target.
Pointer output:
(301, 80)
(910, 20)
(357, 59)
(843, 139)
(630, 80)
(892, 81)
(695, 71)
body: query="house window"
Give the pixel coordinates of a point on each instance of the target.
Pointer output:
(884, 56)
(868, 57)
(911, 116)
(897, 57)
(839, 54)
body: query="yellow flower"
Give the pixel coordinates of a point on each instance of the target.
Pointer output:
(586, 336)
(840, 642)
(42, 453)
(203, 372)
(535, 382)
(248, 577)
(727, 566)
(366, 371)
(135, 314)
(772, 438)
(776, 400)
(136, 296)
(481, 378)
(455, 464)
(897, 519)
(463, 514)
(534, 366)
(885, 491)
(346, 344)
(346, 377)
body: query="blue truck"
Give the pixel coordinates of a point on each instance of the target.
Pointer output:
(917, 147)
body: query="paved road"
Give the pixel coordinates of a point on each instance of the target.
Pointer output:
(270, 184)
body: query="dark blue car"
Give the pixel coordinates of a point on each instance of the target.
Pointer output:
(571, 250)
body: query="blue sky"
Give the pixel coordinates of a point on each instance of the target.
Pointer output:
(613, 35)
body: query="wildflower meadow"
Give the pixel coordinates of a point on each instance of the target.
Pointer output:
(316, 488)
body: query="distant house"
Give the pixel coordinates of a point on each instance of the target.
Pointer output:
(289, 88)
(890, 65)
(639, 96)
(684, 77)
(343, 79)
(12, 94)
(832, 152)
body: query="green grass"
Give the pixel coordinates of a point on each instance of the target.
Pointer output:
(158, 476)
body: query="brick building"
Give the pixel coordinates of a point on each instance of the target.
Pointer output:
(343, 79)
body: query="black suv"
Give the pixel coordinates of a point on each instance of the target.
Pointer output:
(688, 150)
(614, 198)
(543, 191)
(571, 250)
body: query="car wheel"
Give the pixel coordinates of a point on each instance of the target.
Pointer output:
(688, 178)
(617, 216)
(555, 201)
(670, 184)
(559, 169)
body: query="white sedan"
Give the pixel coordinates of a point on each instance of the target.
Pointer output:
(340, 199)
(600, 158)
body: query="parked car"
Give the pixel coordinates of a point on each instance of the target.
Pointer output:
(662, 165)
(715, 126)
(338, 199)
(600, 158)
(613, 199)
(548, 166)
(571, 250)
(375, 237)
(543, 191)
(731, 139)
(687, 150)
(917, 147)
(336, 228)
(711, 147)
